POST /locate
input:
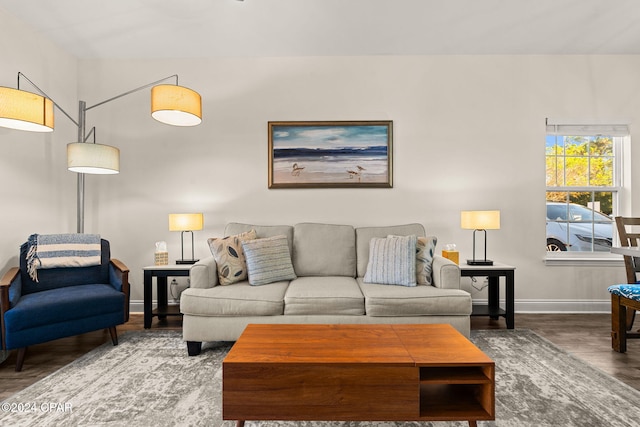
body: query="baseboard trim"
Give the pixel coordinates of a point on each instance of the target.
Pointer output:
(521, 306)
(137, 306)
(556, 306)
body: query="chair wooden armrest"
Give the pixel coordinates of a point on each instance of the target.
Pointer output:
(123, 272)
(119, 265)
(5, 283)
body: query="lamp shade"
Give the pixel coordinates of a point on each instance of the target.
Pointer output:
(480, 220)
(25, 110)
(84, 157)
(186, 222)
(176, 105)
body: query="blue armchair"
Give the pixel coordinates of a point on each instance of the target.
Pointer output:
(63, 302)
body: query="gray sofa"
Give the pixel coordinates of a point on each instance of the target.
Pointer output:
(330, 262)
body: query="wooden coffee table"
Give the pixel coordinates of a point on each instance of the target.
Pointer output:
(357, 373)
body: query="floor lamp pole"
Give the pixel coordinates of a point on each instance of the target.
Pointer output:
(80, 188)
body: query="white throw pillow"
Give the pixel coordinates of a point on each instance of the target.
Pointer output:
(392, 261)
(268, 260)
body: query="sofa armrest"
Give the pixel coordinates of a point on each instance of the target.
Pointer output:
(446, 273)
(10, 292)
(204, 273)
(119, 279)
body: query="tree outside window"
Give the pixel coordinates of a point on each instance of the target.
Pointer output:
(582, 189)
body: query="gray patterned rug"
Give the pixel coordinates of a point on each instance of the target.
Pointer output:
(148, 380)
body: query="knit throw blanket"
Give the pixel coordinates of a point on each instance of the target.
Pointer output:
(61, 250)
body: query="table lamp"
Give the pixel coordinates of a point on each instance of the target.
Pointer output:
(186, 223)
(480, 221)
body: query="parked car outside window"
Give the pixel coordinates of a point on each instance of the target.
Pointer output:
(573, 227)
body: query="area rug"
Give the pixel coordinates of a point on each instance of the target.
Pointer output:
(148, 380)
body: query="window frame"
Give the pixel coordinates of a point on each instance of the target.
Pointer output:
(620, 136)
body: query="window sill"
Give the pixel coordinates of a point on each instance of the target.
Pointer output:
(583, 259)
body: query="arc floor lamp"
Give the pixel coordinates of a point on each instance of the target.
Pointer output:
(170, 103)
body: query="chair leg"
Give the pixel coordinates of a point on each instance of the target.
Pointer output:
(618, 325)
(20, 359)
(114, 335)
(631, 316)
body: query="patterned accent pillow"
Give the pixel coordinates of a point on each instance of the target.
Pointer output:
(425, 248)
(392, 261)
(268, 260)
(229, 256)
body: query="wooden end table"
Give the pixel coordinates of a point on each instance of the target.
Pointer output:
(357, 373)
(160, 272)
(493, 273)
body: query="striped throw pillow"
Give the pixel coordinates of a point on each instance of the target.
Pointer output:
(392, 261)
(268, 260)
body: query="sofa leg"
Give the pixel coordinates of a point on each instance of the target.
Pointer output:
(114, 335)
(20, 359)
(194, 347)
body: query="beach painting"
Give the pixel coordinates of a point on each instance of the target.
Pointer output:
(330, 154)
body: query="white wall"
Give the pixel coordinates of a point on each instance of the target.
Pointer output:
(38, 193)
(468, 134)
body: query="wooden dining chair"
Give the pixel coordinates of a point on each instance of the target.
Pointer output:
(625, 298)
(629, 238)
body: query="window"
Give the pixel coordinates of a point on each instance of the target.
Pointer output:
(583, 184)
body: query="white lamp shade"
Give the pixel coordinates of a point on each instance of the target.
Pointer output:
(84, 157)
(176, 105)
(480, 220)
(186, 222)
(25, 111)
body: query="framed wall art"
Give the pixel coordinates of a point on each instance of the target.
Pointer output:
(330, 154)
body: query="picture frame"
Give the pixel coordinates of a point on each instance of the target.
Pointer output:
(331, 154)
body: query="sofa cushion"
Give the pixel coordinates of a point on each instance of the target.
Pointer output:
(324, 250)
(392, 261)
(425, 249)
(262, 231)
(268, 260)
(229, 255)
(241, 299)
(402, 301)
(365, 234)
(330, 295)
(63, 304)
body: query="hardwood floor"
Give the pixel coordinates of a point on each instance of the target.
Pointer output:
(586, 336)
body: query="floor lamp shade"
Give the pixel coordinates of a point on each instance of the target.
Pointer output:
(176, 105)
(24, 110)
(84, 157)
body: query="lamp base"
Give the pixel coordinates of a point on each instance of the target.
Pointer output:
(479, 262)
(186, 261)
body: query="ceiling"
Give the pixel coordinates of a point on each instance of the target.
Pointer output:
(150, 29)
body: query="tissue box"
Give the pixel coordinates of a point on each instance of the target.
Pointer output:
(452, 255)
(161, 258)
